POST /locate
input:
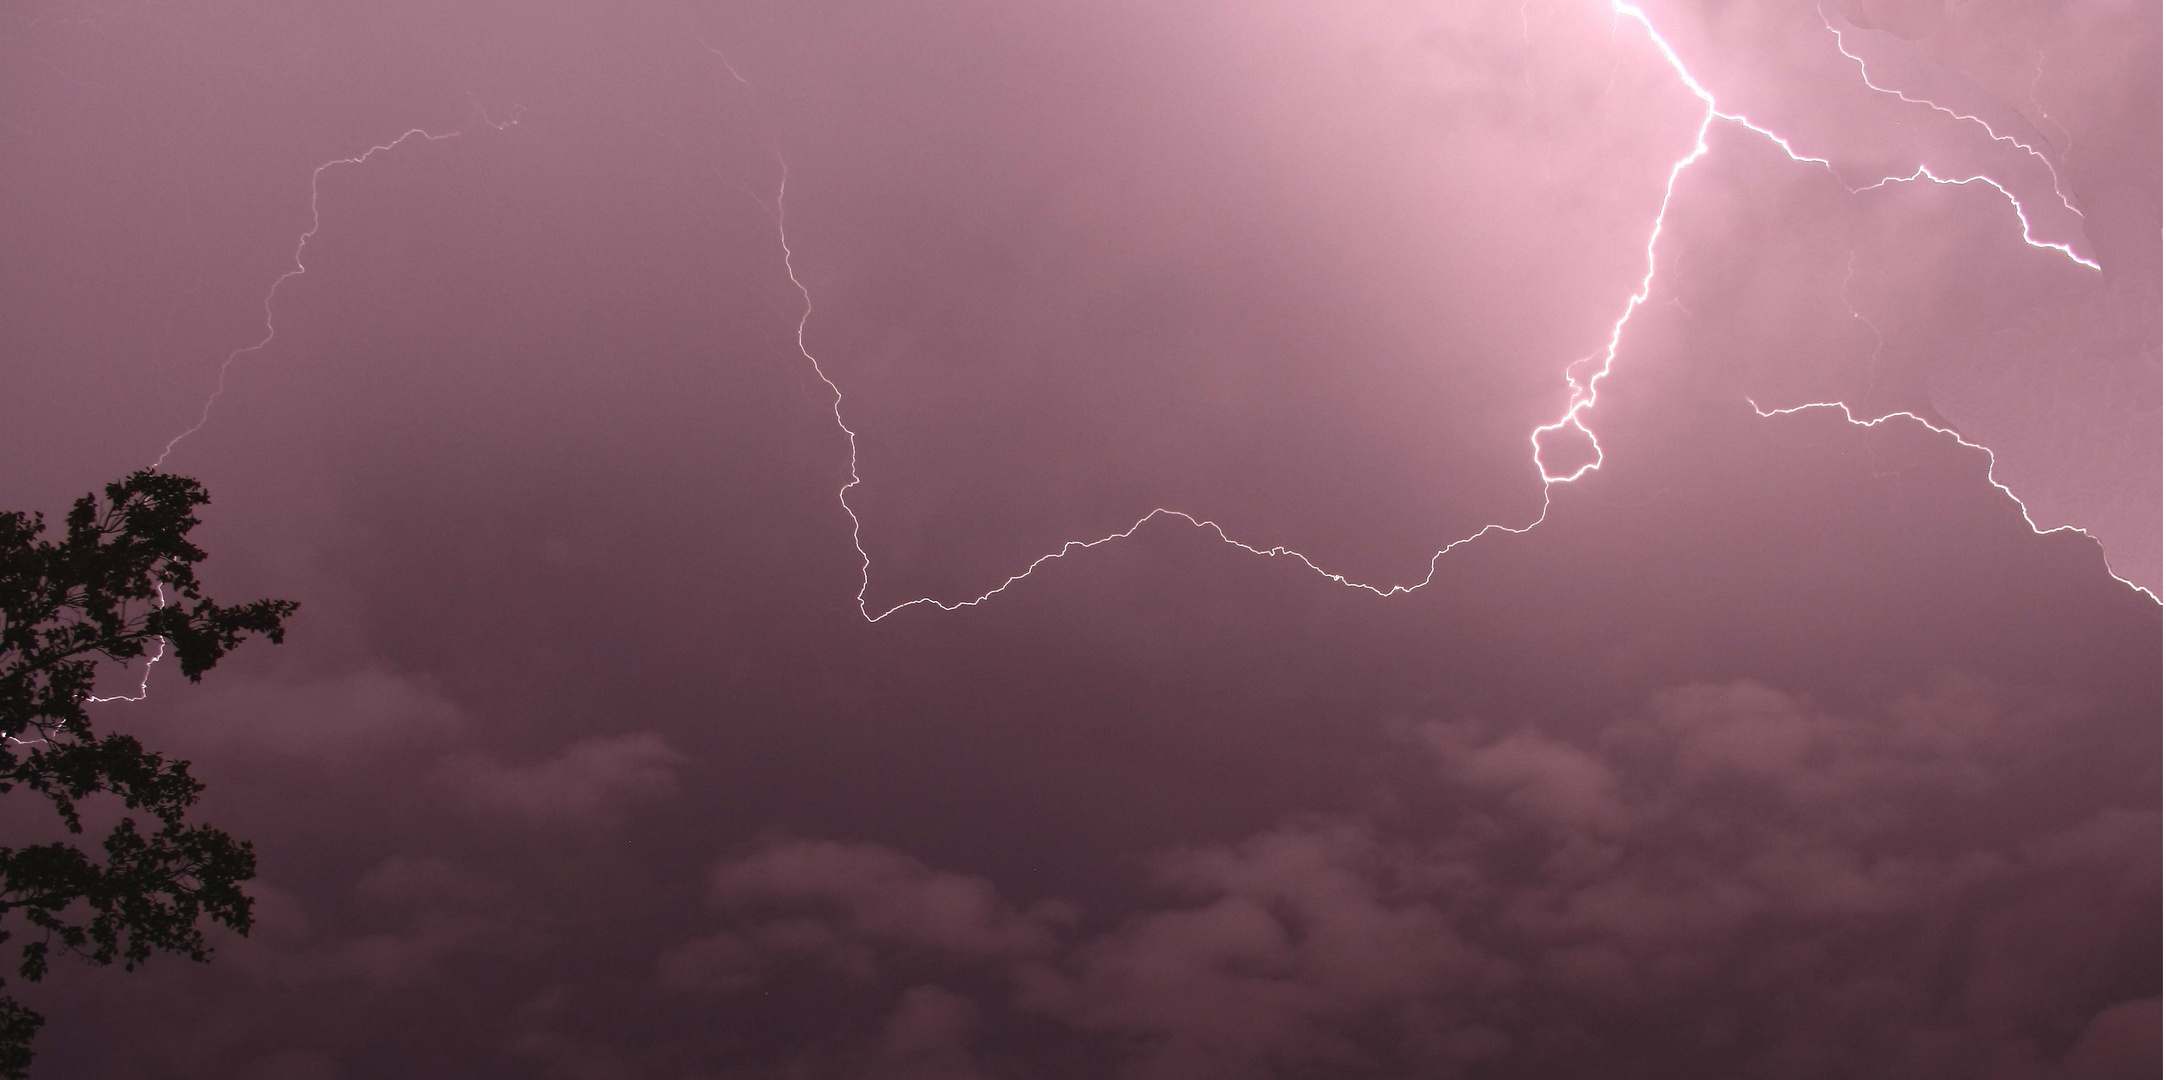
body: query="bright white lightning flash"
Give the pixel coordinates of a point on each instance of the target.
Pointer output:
(1583, 393)
(142, 688)
(1964, 118)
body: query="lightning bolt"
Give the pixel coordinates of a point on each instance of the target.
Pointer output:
(864, 579)
(1951, 433)
(298, 264)
(719, 55)
(297, 268)
(857, 540)
(1963, 118)
(142, 688)
(1583, 393)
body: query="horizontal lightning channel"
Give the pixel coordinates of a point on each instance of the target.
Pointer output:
(1951, 433)
(142, 688)
(1583, 394)
(864, 582)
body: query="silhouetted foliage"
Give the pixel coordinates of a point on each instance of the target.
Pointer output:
(118, 586)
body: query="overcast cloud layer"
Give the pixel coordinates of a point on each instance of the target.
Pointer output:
(1783, 745)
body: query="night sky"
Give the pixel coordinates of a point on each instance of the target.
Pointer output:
(534, 348)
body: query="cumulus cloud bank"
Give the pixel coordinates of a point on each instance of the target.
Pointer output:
(1730, 881)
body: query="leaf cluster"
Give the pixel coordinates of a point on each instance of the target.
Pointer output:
(118, 585)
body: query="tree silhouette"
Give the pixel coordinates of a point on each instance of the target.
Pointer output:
(120, 584)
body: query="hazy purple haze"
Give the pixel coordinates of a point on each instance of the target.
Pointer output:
(1783, 746)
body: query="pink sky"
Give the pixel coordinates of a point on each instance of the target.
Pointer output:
(1783, 745)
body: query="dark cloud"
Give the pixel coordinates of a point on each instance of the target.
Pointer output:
(591, 778)
(1727, 881)
(423, 912)
(342, 718)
